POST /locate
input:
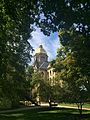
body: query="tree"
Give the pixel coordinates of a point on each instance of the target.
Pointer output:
(28, 87)
(15, 49)
(78, 47)
(42, 91)
(71, 59)
(39, 87)
(56, 15)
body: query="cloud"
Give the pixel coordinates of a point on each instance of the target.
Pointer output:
(50, 44)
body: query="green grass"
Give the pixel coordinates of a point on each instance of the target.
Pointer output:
(46, 114)
(86, 105)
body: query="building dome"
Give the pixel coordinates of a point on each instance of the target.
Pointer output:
(40, 50)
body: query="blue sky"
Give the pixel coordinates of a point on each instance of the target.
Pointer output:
(50, 43)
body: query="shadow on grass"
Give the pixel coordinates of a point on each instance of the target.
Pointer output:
(46, 114)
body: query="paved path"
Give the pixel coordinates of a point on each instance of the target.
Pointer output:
(72, 107)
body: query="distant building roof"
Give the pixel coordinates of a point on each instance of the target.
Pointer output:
(40, 50)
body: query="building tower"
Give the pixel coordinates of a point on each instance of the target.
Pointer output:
(41, 61)
(40, 58)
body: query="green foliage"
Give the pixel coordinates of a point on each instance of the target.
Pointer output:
(74, 61)
(40, 87)
(29, 72)
(15, 28)
(60, 14)
(77, 57)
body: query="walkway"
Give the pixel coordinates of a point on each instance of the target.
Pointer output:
(72, 107)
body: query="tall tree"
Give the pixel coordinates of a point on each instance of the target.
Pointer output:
(73, 65)
(15, 28)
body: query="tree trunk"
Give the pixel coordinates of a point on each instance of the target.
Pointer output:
(50, 104)
(80, 110)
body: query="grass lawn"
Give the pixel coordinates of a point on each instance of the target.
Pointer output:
(46, 114)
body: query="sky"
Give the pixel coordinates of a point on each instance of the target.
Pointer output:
(50, 43)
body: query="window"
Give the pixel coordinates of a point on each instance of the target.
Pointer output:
(50, 72)
(42, 74)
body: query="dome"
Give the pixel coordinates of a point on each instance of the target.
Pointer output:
(40, 50)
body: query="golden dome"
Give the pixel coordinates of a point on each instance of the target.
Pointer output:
(40, 50)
